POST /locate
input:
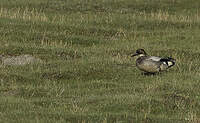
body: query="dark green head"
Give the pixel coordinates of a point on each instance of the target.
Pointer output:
(139, 52)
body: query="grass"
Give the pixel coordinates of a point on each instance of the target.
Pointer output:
(88, 74)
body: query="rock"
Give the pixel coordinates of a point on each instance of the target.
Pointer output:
(19, 60)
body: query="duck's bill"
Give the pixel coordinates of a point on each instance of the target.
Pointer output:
(134, 55)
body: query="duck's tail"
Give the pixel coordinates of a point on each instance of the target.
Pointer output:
(169, 61)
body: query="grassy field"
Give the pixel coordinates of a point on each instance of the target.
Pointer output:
(88, 74)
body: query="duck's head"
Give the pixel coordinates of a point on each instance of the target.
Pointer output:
(139, 52)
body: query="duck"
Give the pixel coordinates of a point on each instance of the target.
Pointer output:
(152, 64)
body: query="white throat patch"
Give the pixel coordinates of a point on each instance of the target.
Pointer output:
(141, 55)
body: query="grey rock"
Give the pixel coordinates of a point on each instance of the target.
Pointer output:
(19, 60)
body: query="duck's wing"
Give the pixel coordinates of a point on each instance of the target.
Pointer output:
(153, 58)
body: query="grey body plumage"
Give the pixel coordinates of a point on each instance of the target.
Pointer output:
(152, 64)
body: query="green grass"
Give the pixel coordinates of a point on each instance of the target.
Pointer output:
(88, 74)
